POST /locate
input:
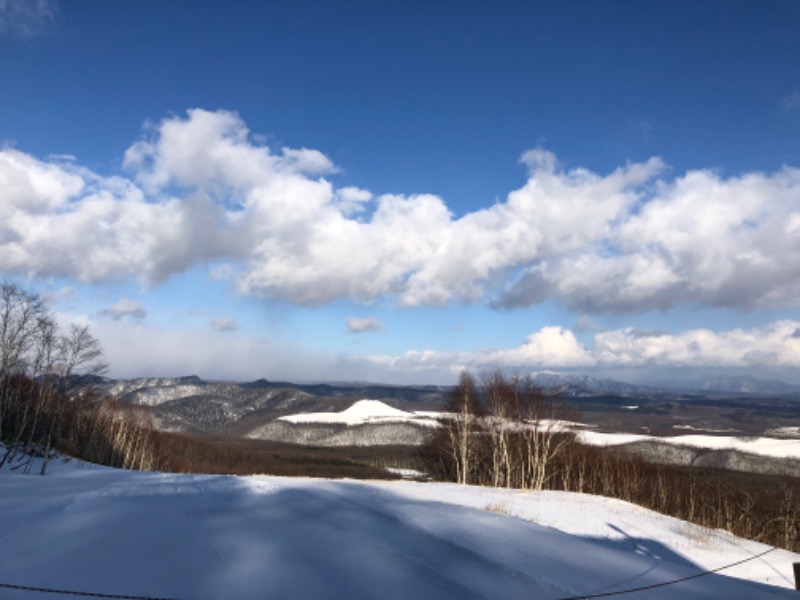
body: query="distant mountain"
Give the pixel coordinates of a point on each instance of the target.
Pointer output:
(739, 384)
(228, 408)
(253, 410)
(576, 386)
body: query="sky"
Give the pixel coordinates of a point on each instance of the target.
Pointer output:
(396, 191)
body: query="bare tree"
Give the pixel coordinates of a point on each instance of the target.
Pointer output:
(464, 410)
(501, 396)
(80, 357)
(41, 368)
(543, 427)
(20, 312)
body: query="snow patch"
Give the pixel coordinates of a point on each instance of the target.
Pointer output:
(364, 412)
(762, 446)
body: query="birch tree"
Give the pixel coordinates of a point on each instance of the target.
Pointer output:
(20, 312)
(462, 425)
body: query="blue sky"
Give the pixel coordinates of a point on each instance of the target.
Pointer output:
(396, 191)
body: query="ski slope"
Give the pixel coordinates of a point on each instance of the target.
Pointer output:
(219, 537)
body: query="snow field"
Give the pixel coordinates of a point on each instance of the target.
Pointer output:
(195, 536)
(762, 446)
(374, 411)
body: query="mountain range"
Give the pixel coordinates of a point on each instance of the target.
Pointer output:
(252, 409)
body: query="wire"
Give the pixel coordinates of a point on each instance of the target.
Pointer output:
(583, 597)
(74, 593)
(667, 583)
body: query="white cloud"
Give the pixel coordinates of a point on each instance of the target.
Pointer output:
(555, 214)
(202, 191)
(26, 18)
(549, 347)
(701, 238)
(775, 345)
(355, 325)
(224, 324)
(352, 200)
(769, 346)
(123, 308)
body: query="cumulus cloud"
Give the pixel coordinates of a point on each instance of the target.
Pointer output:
(701, 238)
(26, 18)
(352, 200)
(363, 325)
(552, 347)
(202, 191)
(773, 345)
(125, 308)
(224, 324)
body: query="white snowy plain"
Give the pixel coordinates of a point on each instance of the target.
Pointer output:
(374, 411)
(95, 529)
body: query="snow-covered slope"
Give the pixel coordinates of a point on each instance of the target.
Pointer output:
(364, 423)
(762, 446)
(186, 536)
(363, 412)
(371, 412)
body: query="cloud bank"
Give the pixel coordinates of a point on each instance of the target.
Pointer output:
(775, 345)
(198, 190)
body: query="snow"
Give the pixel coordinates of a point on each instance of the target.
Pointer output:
(408, 473)
(366, 411)
(373, 411)
(763, 446)
(197, 536)
(785, 431)
(709, 429)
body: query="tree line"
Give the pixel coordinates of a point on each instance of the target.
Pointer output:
(505, 431)
(47, 403)
(49, 406)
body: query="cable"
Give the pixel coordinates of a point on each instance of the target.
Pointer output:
(583, 597)
(667, 583)
(74, 593)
